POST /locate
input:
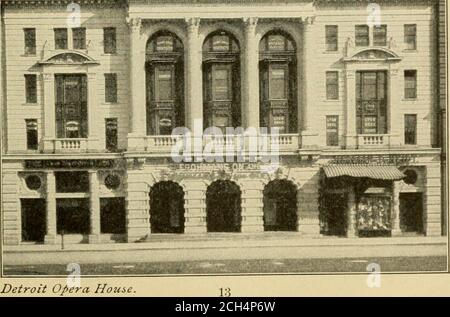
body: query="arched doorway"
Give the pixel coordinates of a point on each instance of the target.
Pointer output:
(280, 206)
(278, 82)
(164, 83)
(223, 207)
(221, 81)
(167, 208)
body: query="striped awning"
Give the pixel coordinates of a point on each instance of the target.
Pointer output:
(383, 172)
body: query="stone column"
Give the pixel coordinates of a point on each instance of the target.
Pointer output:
(395, 216)
(48, 96)
(137, 88)
(194, 92)
(93, 105)
(350, 113)
(195, 207)
(308, 222)
(252, 206)
(137, 204)
(351, 213)
(309, 136)
(94, 207)
(50, 237)
(251, 76)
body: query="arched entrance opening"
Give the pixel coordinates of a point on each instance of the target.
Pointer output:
(164, 83)
(280, 206)
(167, 208)
(223, 207)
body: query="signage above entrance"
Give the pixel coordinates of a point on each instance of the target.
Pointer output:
(382, 159)
(70, 164)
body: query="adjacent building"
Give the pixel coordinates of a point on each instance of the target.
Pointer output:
(93, 90)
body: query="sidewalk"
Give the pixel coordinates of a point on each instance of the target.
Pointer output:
(289, 247)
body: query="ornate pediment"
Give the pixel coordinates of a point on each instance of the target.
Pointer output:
(69, 58)
(373, 54)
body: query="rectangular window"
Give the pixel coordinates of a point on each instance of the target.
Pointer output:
(72, 216)
(221, 84)
(31, 88)
(410, 84)
(332, 85)
(331, 35)
(111, 88)
(410, 36)
(332, 130)
(30, 41)
(362, 35)
(109, 40)
(379, 35)
(72, 182)
(278, 83)
(410, 129)
(32, 134)
(111, 134)
(79, 38)
(60, 39)
(113, 215)
(164, 84)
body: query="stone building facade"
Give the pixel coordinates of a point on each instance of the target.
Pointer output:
(92, 90)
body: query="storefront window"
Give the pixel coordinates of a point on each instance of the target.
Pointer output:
(72, 182)
(374, 213)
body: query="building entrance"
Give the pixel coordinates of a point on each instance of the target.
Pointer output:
(223, 207)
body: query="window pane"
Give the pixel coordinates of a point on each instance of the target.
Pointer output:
(221, 43)
(111, 134)
(72, 182)
(379, 35)
(164, 85)
(31, 88)
(72, 215)
(410, 128)
(32, 134)
(109, 40)
(332, 85)
(331, 37)
(370, 125)
(221, 84)
(410, 84)
(113, 215)
(79, 38)
(276, 42)
(277, 83)
(410, 36)
(362, 35)
(332, 130)
(30, 41)
(61, 39)
(164, 43)
(110, 87)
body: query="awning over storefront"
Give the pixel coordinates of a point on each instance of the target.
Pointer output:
(383, 172)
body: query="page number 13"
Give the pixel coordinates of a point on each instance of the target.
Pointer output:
(225, 292)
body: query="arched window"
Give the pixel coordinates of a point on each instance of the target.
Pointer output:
(278, 82)
(221, 81)
(164, 83)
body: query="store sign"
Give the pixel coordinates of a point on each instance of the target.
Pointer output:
(69, 164)
(228, 167)
(383, 159)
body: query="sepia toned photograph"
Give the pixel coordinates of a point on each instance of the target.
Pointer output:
(145, 138)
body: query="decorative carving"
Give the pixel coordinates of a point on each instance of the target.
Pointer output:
(69, 58)
(134, 24)
(113, 181)
(135, 163)
(250, 22)
(193, 24)
(309, 20)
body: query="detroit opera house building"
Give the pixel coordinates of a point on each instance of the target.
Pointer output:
(93, 91)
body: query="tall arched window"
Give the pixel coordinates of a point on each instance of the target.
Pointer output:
(221, 81)
(278, 82)
(164, 83)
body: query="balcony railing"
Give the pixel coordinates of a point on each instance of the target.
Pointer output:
(373, 140)
(236, 143)
(66, 145)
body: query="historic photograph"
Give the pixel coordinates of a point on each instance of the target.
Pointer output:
(209, 137)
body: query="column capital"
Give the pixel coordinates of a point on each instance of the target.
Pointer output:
(193, 24)
(134, 24)
(307, 21)
(250, 22)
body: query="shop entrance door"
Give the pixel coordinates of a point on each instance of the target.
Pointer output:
(33, 220)
(336, 214)
(411, 212)
(223, 207)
